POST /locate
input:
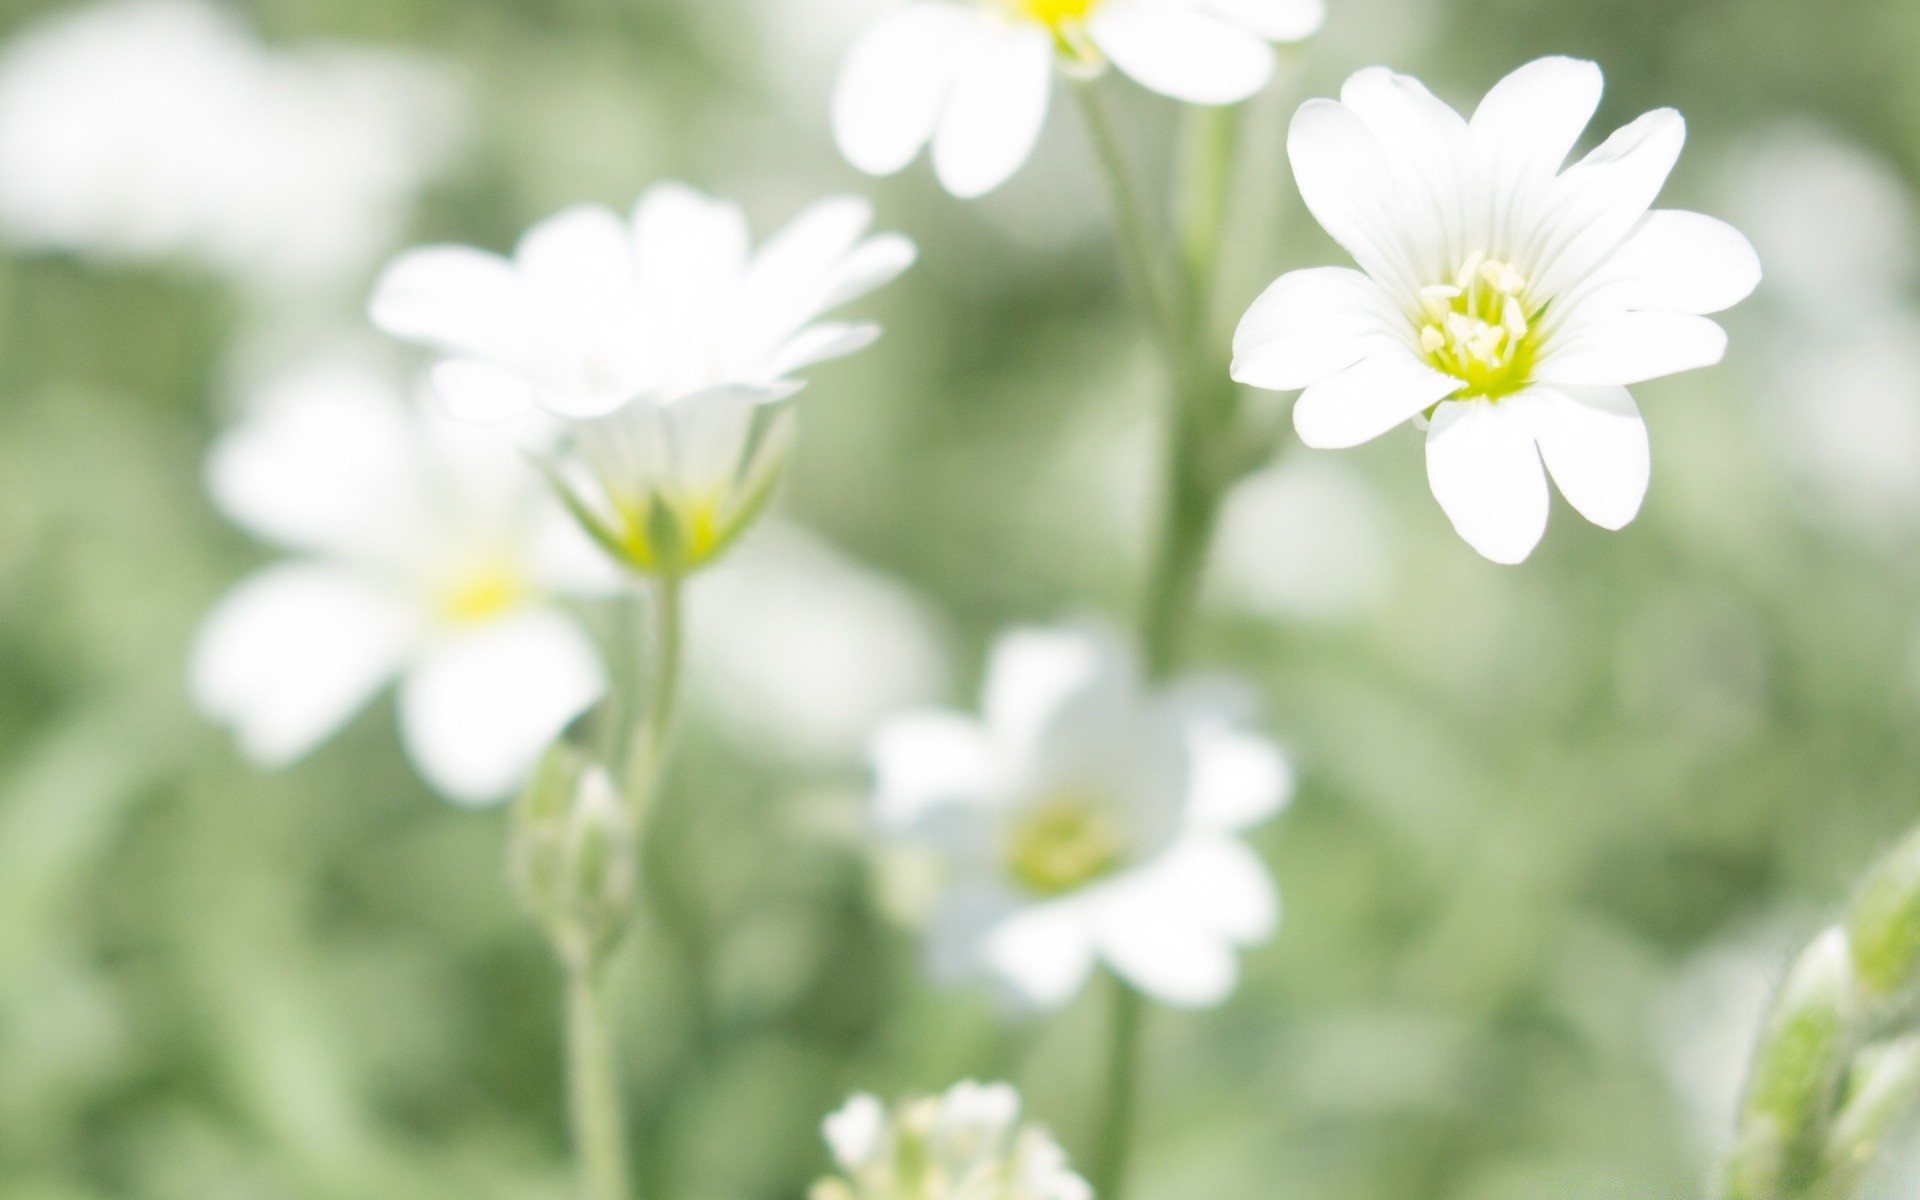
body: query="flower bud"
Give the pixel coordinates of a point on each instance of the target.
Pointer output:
(574, 857)
(666, 487)
(1882, 1092)
(1885, 925)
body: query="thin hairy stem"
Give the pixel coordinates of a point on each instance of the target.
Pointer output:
(593, 1091)
(1125, 1015)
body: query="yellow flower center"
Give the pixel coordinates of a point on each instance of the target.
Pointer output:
(1055, 14)
(484, 591)
(1063, 843)
(1479, 328)
(696, 524)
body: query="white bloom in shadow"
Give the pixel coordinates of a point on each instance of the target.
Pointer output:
(974, 79)
(968, 1144)
(667, 341)
(1088, 818)
(424, 550)
(1506, 300)
(146, 129)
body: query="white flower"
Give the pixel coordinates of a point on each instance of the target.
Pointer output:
(1508, 299)
(667, 342)
(425, 549)
(966, 1145)
(1088, 819)
(975, 77)
(593, 314)
(143, 129)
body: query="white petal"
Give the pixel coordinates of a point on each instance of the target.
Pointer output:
(455, 298)
(1045, 952)
(1160, 945)
(581, 258)
(853, 1133)
(1217, 885)
(1631, 348)
(816, 263)
(1033, 672)
(1595, 446)
(1428, 149)
(1486, 474)
(815, 344)
(327, 461)
(1596, 202)
(995, 111)
(482, 705)
(289, 655)
(887, 102)
(1349, 185)
(1677, 262)
(1275, 20)
(1311, 324)
(924, 760)
(1369, 398)
(1239, 779)
(1181, 51)
(1529, 122)
(487, 393)
(692, 252)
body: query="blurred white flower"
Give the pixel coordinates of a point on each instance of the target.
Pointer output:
(425, 549)
(667, 342)
(1087, 818)
(1305, 539)
(974, 79)
(794, 646)
(1503, 298)
(144, 129)
(968, 1144)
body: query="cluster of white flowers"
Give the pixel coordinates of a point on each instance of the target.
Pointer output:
(1505, 302)
(1088, 818)
(968, 1144)
(162, 129)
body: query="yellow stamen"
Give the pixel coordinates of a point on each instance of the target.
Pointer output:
(1055, 14)
(1063, 844)
(1479, 328)
(486, 590)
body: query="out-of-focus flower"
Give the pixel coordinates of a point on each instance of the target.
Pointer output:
(1507, 301)
(426, 549)
(146, 129)
(1840, 362)
(798, 648)
(1088, 818)
(968, 1144)
(1304, 539)
(667, 342)
(975, 79)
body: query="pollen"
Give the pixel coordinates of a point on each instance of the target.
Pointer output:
(1056, 14)
(1479, 327)
(1062, 844)
(482, 592)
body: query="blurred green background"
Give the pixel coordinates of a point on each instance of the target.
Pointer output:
(1557, 824)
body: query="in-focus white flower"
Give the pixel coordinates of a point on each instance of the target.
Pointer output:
(968, 1144)
(1508, 301)
(1088, 818)
(797, 649)
(146, 129)
(666, 340)
(974, 78)
(425, 550)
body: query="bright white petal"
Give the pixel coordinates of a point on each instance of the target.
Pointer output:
(1595, 446)
(1160, 943)
(1239, 779)
(995, 111)
(289, 655)
(487, 393)
(1032, 673)
(1312, 324)
(578, 259)
(1350, 186)
(1595, 203)
(1678, 262)
(1631, 348)
(815, 344)
(887, 102)
(1428, 149)
(481, 706)
(1529, 122)
(815, 264)
(1181, 51)
(1275, 20)
(455, 298)
(692, 252)
(1044, 952)
(922, 761)
(1486, 474)
(1219, 885)
(1367, 399)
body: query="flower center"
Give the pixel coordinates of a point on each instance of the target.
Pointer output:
(1063, 843)
(484, 591)
(1479, 327)
(1055, 14)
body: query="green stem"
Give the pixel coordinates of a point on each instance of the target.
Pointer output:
(593, 1093)
(1140, 252)
(1124, 1018)
(648, 752)
(1212, 148)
